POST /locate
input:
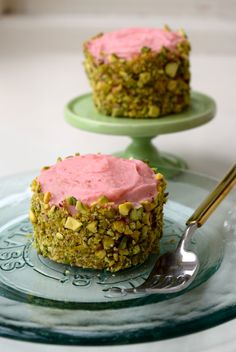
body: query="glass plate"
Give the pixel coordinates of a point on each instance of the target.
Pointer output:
(47, 302)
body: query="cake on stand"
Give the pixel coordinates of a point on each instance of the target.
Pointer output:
(81, 113)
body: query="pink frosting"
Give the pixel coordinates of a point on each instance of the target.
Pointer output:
(127, 43)
(88, 177)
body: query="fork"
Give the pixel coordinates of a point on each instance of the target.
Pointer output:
(175, 271)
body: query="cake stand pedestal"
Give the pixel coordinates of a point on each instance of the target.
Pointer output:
(81, 113)
(142, 148)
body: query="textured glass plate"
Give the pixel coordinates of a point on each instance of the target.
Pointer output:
(53, 303)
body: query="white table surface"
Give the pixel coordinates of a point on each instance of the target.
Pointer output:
(40, 73)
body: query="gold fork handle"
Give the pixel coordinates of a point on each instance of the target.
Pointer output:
(205, 209)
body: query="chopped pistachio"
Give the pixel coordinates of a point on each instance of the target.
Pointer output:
(119, 226)
(82, 248)
(135, 235)
(80, 207)
(100, 254)
(32, 216)
(108, 242)
(45, 167)
(92, 227)
(144, 78)
(59, 236)
(110, 232)
(38, 188)
(132, 226)
(46, 197)
(71, 200)
(136, 214)
(34, 185)
(72, 224)
(110, 213)
(144, 230)
(159, 176)
(136, 249)
(154, 111)
(124, 252)
(172, 84)
(171, 69)
(182, 32)
(167, 28)
(112, 58)
(77, 154)
(110, 262)
(148, 206)
(145, 49)
(125, 208)
(59, 159)
(102, 200)
(125, 76)
(117, 112)
(123, 243)
(146, 218)
(138, 225)
(116, 256)
(127, 230)
(52, 209)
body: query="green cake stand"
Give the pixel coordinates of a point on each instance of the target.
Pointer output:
(81, 113)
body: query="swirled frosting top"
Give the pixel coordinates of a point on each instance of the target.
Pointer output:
(88, 177)
(127, 43)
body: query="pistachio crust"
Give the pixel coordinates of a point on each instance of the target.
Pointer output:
(150, 85)
(99, 236)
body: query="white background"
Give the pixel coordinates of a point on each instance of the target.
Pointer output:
(41, 69)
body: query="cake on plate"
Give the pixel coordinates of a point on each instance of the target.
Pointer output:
(98, 211)
(139, 72)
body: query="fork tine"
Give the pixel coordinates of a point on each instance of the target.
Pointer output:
(154, 280)
(157, 282)
(165, 281)
(165, 284)
(177, 282)
(149, 282)
(160, 282)
(180, 279)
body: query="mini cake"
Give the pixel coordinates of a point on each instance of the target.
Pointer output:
(98, 211)
(139, 72)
